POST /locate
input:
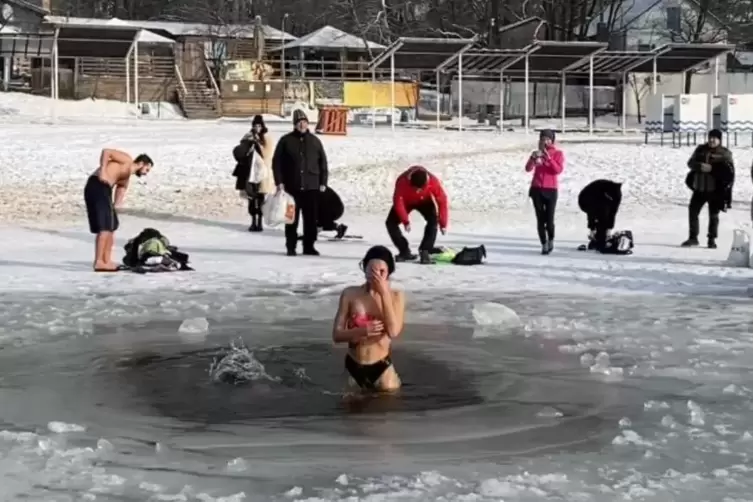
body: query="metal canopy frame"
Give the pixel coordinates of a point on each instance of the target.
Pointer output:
(557, 57)
(612, 63)
(447, 47)
(679, 58)
(481, 61)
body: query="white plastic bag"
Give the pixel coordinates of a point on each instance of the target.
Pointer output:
(739, 253)
(258, 168)
(279, 209)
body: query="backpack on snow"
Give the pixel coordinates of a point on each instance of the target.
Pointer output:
(470, 256)
(152, 251)
(619, 243)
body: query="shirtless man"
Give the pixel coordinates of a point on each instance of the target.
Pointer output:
(115, 170)
(368, 318)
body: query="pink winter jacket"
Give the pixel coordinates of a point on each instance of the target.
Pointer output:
(546, 171)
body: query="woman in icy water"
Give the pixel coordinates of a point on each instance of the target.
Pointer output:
(368, 318)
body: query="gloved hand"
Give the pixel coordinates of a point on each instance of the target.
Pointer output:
(322, 188)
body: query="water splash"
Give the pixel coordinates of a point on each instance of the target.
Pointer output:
(239, 366)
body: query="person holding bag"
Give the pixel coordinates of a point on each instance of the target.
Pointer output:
(253, 172)
(710, 178)
(547, 163)
(300, 169)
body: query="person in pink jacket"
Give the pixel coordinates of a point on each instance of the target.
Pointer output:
(547, 163)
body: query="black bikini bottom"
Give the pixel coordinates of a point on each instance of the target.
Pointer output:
(367, 375)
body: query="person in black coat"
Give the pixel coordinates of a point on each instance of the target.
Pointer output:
(300, 168)
(711, 178)
(254, 141)
(331, 209)
(600, 200)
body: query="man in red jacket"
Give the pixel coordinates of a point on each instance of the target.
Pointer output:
(417, 189)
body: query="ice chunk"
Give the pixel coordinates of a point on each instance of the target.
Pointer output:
(697, 416)
(237, 465)
(587, 360)
(194, 330)
(296, 491)
(493, 318)
(62, 427)
(549, 412)
(194, 326)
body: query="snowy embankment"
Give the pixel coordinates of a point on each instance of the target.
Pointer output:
(45, 166)
(19, 108)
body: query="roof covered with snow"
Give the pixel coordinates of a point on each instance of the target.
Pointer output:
(173, 29)
(330, 37)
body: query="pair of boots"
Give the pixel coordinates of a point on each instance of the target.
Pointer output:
(693, 242)
(423, 257)
(307, 251)
(256, 225)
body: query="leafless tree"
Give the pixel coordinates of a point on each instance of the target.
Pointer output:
(641, 87)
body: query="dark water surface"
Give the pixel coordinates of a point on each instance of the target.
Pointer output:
(120, 368)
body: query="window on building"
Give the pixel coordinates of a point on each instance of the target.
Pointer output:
(674, 20)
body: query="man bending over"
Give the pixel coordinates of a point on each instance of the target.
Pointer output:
(417, 190)
(115, 170)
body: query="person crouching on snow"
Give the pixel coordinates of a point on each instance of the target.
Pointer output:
(547, 163)
(257, 140)
(600, 200)
(417, 189)
(711, 177)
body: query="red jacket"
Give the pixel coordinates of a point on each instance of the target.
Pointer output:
(546, 171)
(407, 197)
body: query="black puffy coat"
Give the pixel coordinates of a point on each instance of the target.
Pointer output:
(243, 154)
(300, 163)
(722, 173)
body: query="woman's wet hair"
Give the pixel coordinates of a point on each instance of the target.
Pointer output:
(379, 253)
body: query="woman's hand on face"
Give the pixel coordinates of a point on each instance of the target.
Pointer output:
(379, 283)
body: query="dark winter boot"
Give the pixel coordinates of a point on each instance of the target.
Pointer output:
(711, 243)
(425, 258)
(405, 256)
(545, 249)
(341, 231)
(692, 242)
(255, 224)
(310, 251)
(550, 245)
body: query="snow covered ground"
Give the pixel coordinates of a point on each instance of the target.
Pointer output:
(670, 321)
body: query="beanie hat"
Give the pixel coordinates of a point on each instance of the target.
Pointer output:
(259, 120)
(715, 133)
(547, 133)
(299, 115)
(379, 253)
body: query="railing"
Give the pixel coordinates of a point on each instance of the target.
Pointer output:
(149, 66)
(181, 84)
(329, 70)
(315, 70)
(212, 79)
